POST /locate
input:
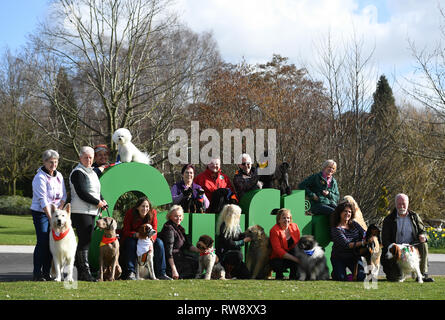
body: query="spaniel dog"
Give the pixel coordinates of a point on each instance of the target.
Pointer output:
(371, 254)
(144, 251)
(208, 260)
(408, 259)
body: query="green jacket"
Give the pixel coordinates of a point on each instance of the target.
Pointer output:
(389, 228)
(315, 184)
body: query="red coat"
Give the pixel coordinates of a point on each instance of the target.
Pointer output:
(133, 222)
(210, 183)
(278, 240)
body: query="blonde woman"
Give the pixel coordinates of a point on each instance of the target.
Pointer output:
(284, 237)
(358, 213)
(180, 264)
(230, 240)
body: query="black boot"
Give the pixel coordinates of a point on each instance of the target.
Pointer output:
(83, 268)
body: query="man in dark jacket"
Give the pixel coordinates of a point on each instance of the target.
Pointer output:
(404, 226)
(246, 177)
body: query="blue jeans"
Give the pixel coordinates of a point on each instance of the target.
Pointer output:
(42, 255)
(131, 257)
(339, 266)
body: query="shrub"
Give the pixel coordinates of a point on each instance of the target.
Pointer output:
(16, 205)
(436, 237)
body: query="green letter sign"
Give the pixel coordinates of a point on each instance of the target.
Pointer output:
(257, 206)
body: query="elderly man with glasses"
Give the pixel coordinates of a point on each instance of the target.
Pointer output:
(246, 177)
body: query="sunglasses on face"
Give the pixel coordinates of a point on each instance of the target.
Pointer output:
(245, 163)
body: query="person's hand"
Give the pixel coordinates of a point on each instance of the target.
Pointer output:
(247, 239)
(325, 193)
(422, 238)
(315, 197)
(175, 274)
(102, 204)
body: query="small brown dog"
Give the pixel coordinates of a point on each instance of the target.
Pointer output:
(145, 252)
(258, 253)
(208, 260)
(109, 268)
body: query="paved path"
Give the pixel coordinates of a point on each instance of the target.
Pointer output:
(16, 263)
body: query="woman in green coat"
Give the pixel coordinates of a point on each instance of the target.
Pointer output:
(322, 189)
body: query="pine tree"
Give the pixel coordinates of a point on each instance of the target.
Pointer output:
(383, 109)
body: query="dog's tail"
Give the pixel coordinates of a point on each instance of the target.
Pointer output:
(148, 157)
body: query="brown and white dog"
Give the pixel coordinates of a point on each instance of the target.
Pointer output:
(62, 242)
(372, 253)
(258, 253)
(208, 260)
(109, 268)
(144, 252)
(408, 259)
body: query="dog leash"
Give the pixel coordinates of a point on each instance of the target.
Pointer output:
(101, 210)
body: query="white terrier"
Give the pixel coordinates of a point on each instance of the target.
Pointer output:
(127, 150)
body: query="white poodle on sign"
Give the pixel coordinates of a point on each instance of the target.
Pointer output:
(127, 150)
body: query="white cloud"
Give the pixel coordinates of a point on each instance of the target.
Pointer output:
(256, 29)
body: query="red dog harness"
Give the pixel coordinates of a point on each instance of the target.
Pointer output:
(60, 236)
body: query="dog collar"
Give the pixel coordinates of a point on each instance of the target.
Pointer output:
(309, 252)
(106, 241)
(206, 253)
(60, 236)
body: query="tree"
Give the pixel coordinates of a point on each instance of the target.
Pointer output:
(274, 95)
(427, 90)
(383, 108)
(131, 60)
(21, 145)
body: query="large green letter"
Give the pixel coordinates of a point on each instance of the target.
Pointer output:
(125, 177)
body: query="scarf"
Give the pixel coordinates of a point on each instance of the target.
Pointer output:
(59, 236)
(206, 253)
(106, 241)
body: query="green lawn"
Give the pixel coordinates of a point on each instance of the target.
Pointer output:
(223, 290)
(17, 230)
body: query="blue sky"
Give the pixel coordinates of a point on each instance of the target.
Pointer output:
(17, 19)
(254, 30)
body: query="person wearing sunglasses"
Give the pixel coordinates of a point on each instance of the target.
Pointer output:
(246, 177)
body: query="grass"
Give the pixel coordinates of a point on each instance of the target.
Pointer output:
(223, 290)
(17, 230)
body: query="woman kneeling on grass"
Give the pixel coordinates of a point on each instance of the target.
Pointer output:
(284, 237)
(230, 241)
(142, 213)
(180, 263)
(346, 235)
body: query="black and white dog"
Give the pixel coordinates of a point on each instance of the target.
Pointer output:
(312, 264)
(191, 204)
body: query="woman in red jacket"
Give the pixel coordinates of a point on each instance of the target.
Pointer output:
(284, 237)
(142, 213)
